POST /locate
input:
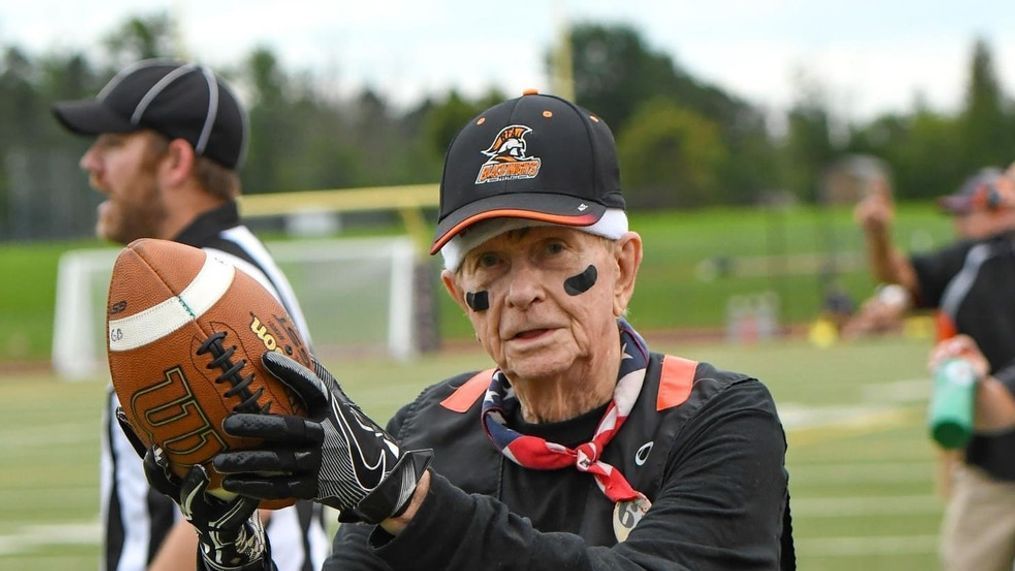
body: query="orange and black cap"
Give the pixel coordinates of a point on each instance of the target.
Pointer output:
(538, 157)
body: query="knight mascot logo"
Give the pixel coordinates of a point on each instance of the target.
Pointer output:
(508, 160)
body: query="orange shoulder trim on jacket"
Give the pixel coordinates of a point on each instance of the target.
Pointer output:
(675, 381)
(464, 396)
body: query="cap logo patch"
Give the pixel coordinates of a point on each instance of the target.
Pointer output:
(508, 160)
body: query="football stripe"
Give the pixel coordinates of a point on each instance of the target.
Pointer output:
(154, 323)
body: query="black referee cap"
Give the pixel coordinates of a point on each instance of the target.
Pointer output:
(538, 157)
(180, 100)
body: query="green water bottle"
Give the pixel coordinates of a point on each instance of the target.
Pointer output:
(951, 405)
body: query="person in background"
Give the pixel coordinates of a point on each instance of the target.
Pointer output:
(169, 138)
(970, 284)
(994, 405)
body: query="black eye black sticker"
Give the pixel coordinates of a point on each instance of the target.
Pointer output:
(479, 301)
(582, 282)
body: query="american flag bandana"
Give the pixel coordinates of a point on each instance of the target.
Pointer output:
(540, 454)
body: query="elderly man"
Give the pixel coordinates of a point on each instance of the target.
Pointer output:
(581, 449)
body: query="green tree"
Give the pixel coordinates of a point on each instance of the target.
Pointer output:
(922, 148)
(985, 129)
(615, 72)
(19, 115)
(445, 118)
(140, 37)
(808, 146)
(670, 156)
(270, 131)
(20, 104)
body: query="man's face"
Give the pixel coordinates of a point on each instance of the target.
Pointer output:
(122, 166)
(974, 225)
(982, 221)
(533, 328)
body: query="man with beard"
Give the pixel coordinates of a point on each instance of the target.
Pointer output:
(169, 137)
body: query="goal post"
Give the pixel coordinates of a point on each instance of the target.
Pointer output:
(79, 339)
(357, 295)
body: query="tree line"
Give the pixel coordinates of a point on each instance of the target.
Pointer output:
(683, 142)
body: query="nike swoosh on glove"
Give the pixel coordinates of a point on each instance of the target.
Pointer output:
(336, 455)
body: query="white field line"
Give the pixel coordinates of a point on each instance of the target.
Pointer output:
(902, 391)
(797, 416)
(867, 546)
(894, 472)
(814, 424)
(57, 434)
(860, 506)
(30, 537)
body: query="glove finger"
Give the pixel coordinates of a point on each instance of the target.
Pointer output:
(275, 460)
(157, 473)
(326, 377)
(219, 515)
(271, 487)
(240, 510)
(291, 430)
(192, 489)
(301, 380)
(128, 431)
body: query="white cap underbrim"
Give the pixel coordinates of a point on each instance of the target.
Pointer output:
(612, 224)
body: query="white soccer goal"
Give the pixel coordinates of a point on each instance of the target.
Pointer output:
(357, 295)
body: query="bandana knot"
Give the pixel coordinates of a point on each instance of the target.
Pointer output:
(587, 455)
(540, 454)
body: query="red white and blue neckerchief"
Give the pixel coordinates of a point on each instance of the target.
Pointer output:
(539, 454)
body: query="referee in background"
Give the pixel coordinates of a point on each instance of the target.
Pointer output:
(169, 138)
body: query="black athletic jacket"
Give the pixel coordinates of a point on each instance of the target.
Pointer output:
(705, 446)
(972, 281)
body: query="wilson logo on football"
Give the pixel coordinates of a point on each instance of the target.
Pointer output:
(170, 407)
(508, 160)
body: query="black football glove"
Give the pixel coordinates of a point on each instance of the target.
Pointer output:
(230, 534)
(335, 455)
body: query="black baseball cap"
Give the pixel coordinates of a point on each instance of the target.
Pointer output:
(180, 100)
(538, 157)
(978, 192)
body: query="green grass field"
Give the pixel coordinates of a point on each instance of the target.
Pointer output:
(860, 463)
(782, 252)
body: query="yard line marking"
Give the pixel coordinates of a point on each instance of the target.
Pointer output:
(797, 416)
(867, 546)
(888, 472)
(866, 506)
(876, 420)
(66, 433)
(902, 391)
(29, 537)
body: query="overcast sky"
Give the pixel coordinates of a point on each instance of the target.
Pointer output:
(870, 56)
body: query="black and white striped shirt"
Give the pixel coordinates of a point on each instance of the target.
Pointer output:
(137, 518)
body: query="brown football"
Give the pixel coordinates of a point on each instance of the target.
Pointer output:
(186, 331)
